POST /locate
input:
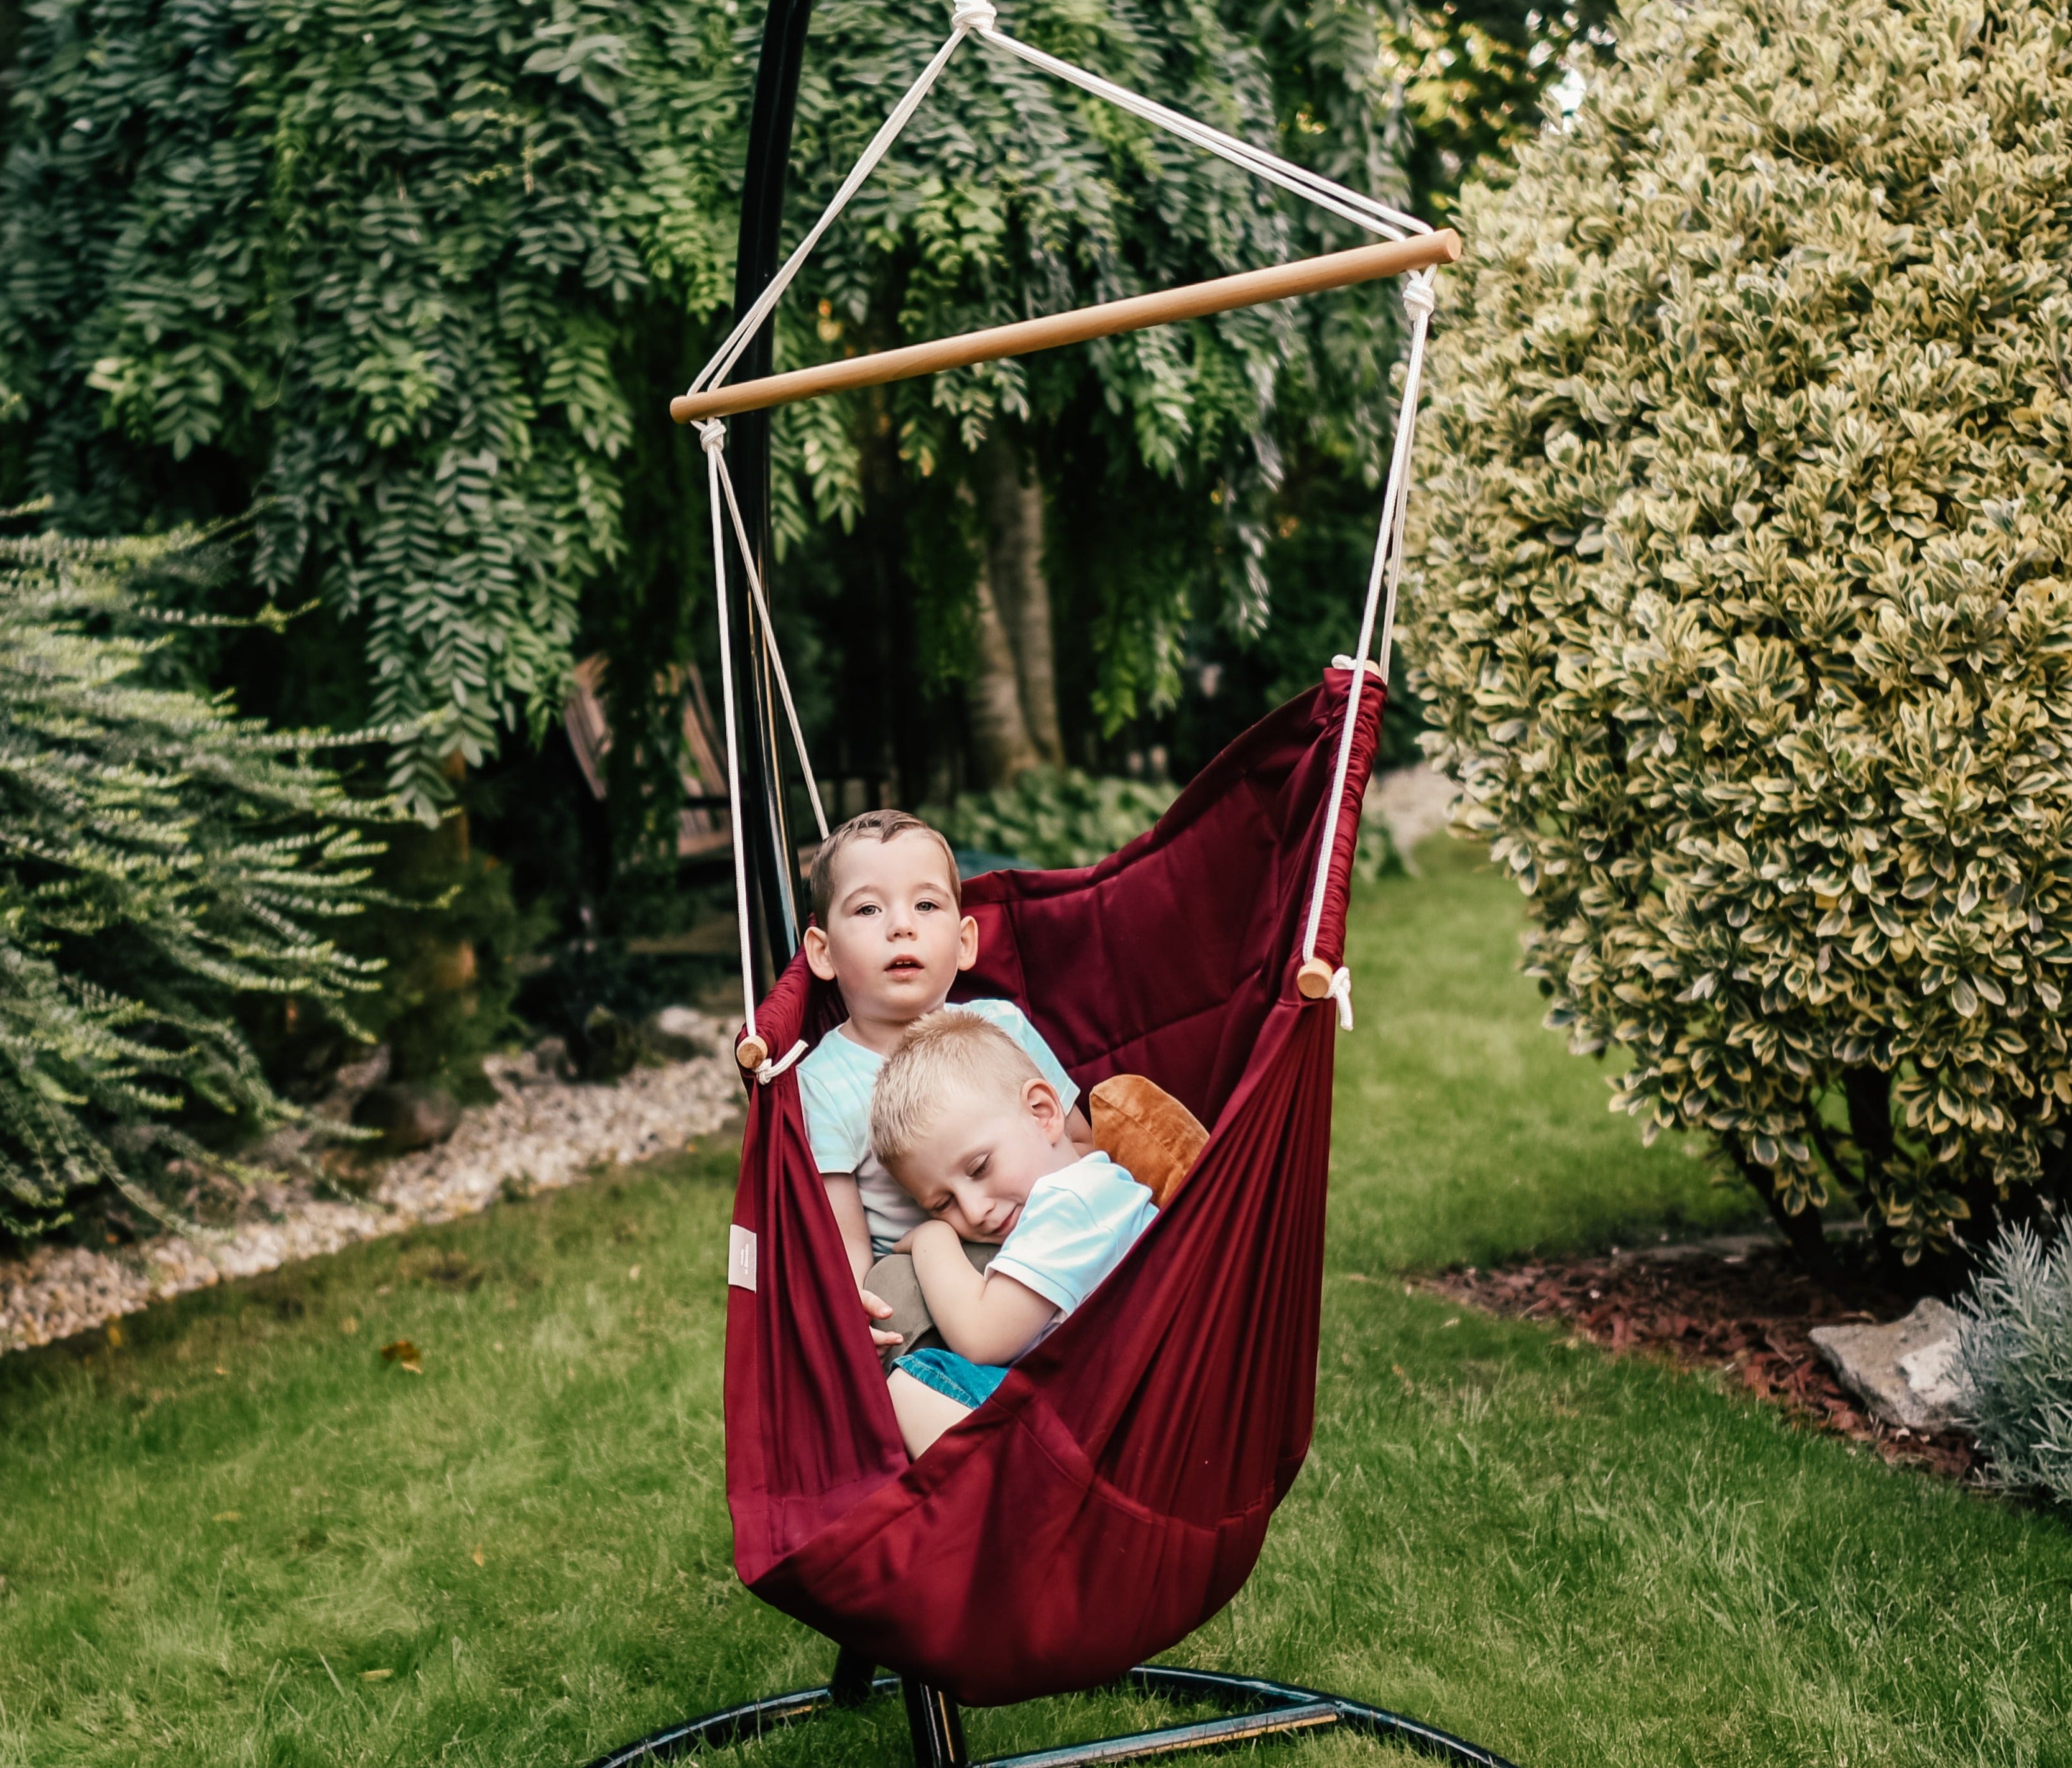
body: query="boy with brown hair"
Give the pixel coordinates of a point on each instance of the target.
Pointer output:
(889, 931)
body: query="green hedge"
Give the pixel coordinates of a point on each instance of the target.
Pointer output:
(1744, 615)
(160, 858)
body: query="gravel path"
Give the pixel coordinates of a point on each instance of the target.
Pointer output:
(542, 1133)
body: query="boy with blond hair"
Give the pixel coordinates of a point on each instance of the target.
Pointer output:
(977, 1137)
(889, 931)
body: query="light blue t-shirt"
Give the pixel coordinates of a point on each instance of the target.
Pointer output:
(834, 1085)
(1076, 1227)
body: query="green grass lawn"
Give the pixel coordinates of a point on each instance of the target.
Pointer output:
(239, 1536)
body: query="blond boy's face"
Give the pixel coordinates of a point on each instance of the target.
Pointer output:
(894, 941)
(977, 1164)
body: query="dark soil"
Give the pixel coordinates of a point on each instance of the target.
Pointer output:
(1748, 1311)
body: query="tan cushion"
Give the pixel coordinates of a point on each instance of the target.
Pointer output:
(1145, 1129)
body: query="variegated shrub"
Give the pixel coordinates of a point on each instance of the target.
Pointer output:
(1742, 597)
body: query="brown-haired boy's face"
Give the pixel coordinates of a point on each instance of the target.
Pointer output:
(893, 942)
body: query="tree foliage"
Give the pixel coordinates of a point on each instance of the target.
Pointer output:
(1012, 194)
(161, 859)
(1476, 77)
(369, 271)
(1746, 601)
(411, 285)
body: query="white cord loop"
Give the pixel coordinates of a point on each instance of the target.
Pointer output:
(1362, 211)
(1420, 296)
(1340, 991)
(771, 1069)
(972, 15)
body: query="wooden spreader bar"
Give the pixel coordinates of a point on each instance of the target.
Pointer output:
(1251, 288)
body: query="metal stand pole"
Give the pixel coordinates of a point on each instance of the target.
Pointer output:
(854, 1679)
(772, 860)
(938, 1728)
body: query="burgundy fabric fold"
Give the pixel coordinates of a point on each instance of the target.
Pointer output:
(1115, 1492)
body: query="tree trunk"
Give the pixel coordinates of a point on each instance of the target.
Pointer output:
(1011, 499)
(1000, 733)
(452, 965)
(1804, 1231)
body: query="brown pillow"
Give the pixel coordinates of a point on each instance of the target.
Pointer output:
(1143, 1130)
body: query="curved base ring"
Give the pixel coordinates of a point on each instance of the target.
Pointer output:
(1266, 1709)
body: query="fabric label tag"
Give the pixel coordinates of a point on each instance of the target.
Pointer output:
(740, 1256)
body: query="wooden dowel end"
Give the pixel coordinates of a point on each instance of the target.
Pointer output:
(1312, 981)
(751, 1053)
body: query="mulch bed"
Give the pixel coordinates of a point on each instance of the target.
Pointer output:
(1748, 1312)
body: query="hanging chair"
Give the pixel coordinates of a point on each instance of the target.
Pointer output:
(1115, 1492)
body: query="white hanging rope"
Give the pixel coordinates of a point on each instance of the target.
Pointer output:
(1419, 300)
(769, 632)
(978, 17)
(713, 438)
(751, 322)
(1362, 211)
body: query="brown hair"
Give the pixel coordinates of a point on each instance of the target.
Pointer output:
(947, 1057)
(886, 826)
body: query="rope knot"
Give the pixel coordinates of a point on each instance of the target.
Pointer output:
(712, 435)
(1419, 297)
(973, 15)
(770, 1069)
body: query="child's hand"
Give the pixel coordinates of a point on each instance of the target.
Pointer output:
(878, 1309)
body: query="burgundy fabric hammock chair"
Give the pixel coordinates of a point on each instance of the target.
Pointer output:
(1115, 1494)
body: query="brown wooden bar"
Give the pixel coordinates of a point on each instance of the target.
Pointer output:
(1250, 288)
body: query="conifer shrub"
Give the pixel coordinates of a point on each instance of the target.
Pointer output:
(163, 863)
(1744, 612)
(2014, 1359)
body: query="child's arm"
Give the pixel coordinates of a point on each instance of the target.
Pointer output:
(846, 1201)
(989, 1319)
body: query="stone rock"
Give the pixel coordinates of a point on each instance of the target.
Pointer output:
(546, 1062)
(610, 1046)
(408, 1117)
(679, 1034)
(1905, 1373)
(370, 1071)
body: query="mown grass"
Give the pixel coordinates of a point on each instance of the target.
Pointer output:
(521, 1556)
(1463, 1130)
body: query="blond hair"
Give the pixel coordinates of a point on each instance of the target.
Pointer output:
(948, 1059)
(886, 826)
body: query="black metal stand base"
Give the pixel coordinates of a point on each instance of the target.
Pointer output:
(1263, 1709)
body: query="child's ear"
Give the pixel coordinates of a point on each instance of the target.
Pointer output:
(1045, 1106)
(966, 942)
(817, 960)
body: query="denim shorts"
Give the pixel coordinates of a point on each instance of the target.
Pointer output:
(969, 1383)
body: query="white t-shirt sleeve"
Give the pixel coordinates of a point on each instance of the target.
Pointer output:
(1012, 1020)
(1077, 1226)
(837, 1112)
